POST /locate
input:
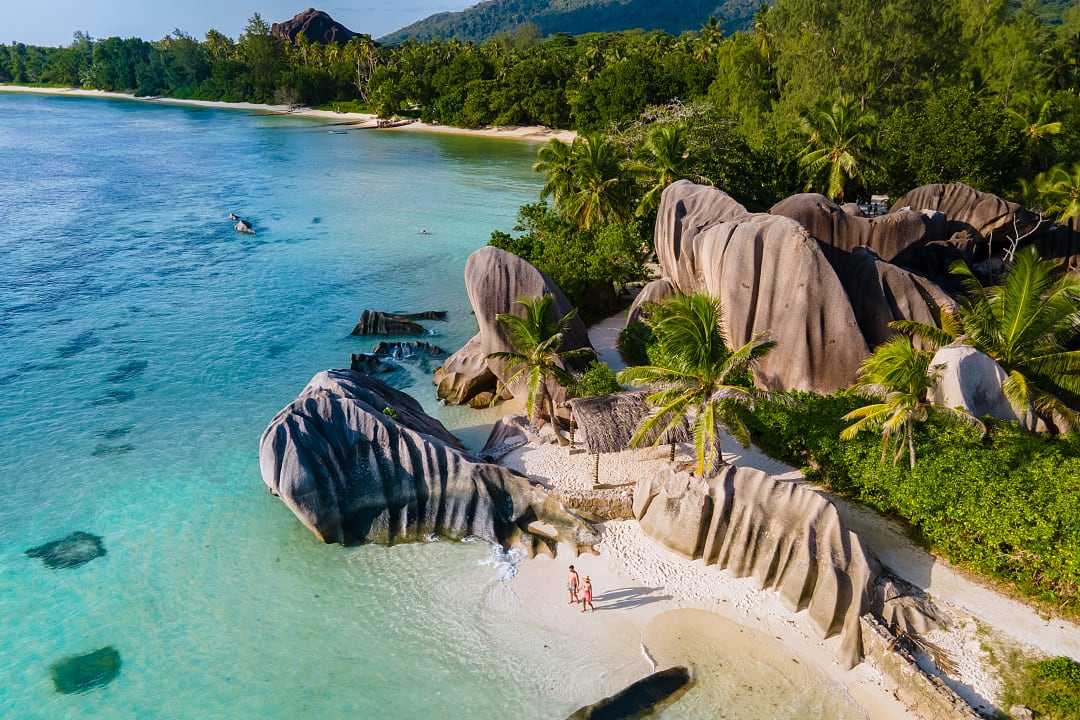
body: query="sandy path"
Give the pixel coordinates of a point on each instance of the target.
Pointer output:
(532, 133)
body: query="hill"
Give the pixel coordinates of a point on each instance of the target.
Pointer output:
(575, 17)
(315, 25)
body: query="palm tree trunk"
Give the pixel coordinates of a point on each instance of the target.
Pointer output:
(596, 469)
(911, 446)
(672, 459)
(550, 404)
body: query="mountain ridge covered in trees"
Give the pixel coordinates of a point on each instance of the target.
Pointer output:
(575, 17)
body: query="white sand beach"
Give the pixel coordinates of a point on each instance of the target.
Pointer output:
(532, 133)
(640, 582)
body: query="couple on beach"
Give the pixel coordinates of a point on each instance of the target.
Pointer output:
(573, 585)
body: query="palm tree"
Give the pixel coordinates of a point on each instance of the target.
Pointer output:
(1023, 324)
(1061, 188)
(1036, 118)
(556, 161)
(709, 39)
(900, 378)
(537, 355)
(667, 160)
(697, 380)
(599, 194)
(839, 142)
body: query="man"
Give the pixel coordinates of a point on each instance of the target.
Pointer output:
(572, 583)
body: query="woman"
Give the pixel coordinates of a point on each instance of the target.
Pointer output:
(586, 595)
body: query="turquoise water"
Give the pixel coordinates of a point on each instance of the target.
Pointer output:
(145, 345)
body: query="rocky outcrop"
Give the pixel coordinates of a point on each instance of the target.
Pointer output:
(813, 275)
(771, 276)
(376, 322)
(686, 211)
(639, 698)
(839, 231)
(315, 25)
(970, 216)
(357, 461)
(788, 538)
(881, 293)
(655, 292)
(496, 280)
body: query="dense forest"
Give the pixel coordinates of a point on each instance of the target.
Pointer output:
(549, 17)
(848, 97)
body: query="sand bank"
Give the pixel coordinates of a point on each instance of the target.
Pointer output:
(534, 133)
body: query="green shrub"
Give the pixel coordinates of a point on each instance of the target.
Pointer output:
(1049, 687)
(599, 379)
(633, 343)
(1007, 506)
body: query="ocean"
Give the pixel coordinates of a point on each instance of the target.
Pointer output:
(144, 346)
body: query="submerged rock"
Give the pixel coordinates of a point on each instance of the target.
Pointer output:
(637, 699)
(387, 370)
(76, 549)
(788, 538)
(496, 280)
(357, 461)
(82, 673)
(422, 354)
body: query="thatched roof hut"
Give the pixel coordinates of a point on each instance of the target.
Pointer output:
(608, 422)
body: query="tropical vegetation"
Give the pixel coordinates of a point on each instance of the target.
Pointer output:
(1005, 505)
(700, 380)
(538, 357)
(900, 378)
(1025, 324)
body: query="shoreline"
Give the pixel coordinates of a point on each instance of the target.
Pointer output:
(527, 133)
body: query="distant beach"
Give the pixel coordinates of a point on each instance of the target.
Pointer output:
(529, 133)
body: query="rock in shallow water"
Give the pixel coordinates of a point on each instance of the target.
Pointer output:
(637, 699)
(82, 673)
(76, 549)
(358, 461)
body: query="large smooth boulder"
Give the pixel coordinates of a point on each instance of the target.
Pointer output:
(357, 461)
(686, 210)
(787, 537)
(887, 235)
(771, 276)
(971, 216)
(655, 292)
(881, 293)
(496, 280)
(970, 379)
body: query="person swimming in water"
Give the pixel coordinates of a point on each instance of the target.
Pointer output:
(586, 595)
(572, 583)
(424, 231)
